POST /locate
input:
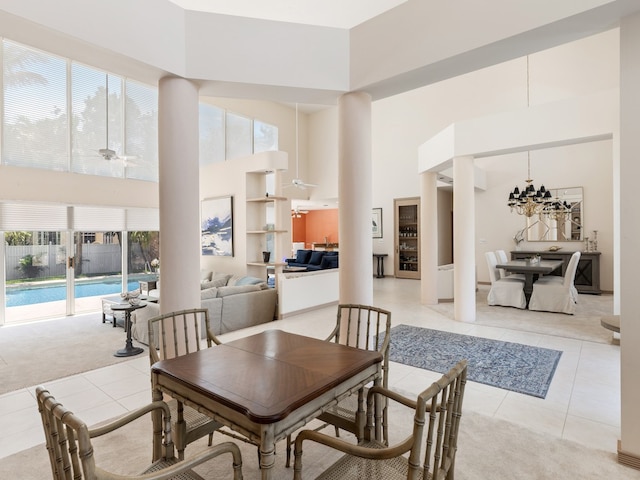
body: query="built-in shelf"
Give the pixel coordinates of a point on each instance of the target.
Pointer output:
(267, 199)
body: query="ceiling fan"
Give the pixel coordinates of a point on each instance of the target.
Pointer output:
(297, 212)
(297, 181)
(107, 153)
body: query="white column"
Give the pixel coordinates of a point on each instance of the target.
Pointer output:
(429, 238)
(355, 197)
(179, 194)
(464, 234)
(629, 449)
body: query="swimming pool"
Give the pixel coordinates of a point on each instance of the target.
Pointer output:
(18, 296)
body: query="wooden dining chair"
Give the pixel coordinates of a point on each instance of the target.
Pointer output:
(368, 328)
(71, 453)
(432, 450)
(178, 333)
(506, 292)
(552, 293)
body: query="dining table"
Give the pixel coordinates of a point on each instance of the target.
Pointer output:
(531, 269)
(266, 386)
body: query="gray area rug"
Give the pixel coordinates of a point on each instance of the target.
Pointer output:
(511, 366)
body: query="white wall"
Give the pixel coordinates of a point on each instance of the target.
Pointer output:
(403, 122)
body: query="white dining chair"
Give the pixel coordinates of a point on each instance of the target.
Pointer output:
(506, 292)
(552, 293)
(501, 256)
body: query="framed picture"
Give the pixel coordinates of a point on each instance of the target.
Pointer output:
(216, 226)
(376, 222)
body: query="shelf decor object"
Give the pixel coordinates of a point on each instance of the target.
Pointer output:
(216, 226)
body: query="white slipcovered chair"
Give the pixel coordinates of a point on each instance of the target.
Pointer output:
(552, 293)
(502, 258)
(506, 292)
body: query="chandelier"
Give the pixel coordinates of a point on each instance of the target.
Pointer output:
(530, 201)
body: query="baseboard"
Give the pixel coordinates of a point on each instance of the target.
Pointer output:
(628, 459)
(305, 310)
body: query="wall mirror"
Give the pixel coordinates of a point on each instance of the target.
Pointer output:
(544, 229)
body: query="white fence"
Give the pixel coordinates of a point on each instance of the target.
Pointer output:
(50, 260)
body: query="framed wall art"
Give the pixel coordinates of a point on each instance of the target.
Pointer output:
(376, 222)
(216, 226)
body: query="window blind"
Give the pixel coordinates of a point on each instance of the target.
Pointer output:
(18, 217)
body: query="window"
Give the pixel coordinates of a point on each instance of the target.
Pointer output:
(265, 137)
(89, 113)
(239, 142)
(211, 134)
(141, 133)
(35, 121)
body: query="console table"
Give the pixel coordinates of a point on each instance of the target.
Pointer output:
(587, 274)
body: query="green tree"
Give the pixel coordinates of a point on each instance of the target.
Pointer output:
(18, 238)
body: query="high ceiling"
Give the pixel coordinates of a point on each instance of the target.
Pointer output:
(327, 13)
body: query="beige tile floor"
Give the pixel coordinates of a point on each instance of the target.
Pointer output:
(583, 402)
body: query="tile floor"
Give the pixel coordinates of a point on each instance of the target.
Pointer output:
(583, 402)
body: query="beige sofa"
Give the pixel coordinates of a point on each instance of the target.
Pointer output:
(238, 302)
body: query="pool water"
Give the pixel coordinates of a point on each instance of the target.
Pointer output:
(16, 297)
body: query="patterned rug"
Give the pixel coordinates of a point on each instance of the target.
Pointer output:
(511, 366)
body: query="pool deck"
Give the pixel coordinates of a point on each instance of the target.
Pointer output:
(41, 311)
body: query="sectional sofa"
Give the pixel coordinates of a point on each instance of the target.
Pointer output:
(234, 302)
(314, 260)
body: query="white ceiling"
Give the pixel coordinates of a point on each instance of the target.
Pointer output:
(327, 13)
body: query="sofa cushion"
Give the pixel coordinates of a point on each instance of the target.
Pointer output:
(329, 261)
(235, 289)
(302, 256)
(208, 293)
(316, 258)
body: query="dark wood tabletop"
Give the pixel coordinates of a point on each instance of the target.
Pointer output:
(266, 376)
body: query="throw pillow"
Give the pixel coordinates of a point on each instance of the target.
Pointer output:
(236, 289)
(219, 282)
(316, 258)
(329, 261)
(205, 275)
(208, 293)
(302, 256)
(220, 276)
(249, 281)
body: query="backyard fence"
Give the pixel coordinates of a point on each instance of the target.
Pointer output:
(46, 261)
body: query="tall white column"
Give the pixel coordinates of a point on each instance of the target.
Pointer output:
(629, 448)
(429, 238)
(355, 196)
(179, 194)
(464, 234)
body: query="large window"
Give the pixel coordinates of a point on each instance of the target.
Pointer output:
(66, 116)
(211, 134)
(35, 120)
(239, 141)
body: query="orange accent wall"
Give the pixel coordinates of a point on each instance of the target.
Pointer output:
(299, 229)
(315, 226)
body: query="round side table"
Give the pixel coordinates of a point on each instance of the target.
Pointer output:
(128, 350)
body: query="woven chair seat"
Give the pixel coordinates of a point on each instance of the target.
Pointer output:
(356, 468)
(162, 464)
(194, 418)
